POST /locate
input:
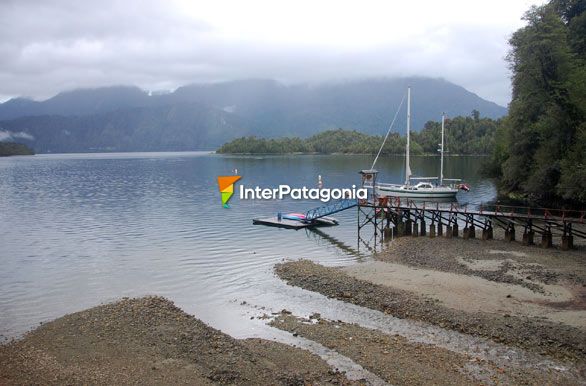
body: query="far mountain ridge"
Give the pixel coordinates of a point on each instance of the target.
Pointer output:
(271, 105)
(260, 107)
(178, 127)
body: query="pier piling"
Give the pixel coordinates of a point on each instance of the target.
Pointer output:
(396, 217)
(469, 233)
(408, 227)
(510, 233)
(528, 238)
(415, 232)
(449, 232)
(400, 228)
(567, 242)
(546, 241)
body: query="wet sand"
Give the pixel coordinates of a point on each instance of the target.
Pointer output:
(527, 299)
(476, 294)
(399, 361)
(149, 341)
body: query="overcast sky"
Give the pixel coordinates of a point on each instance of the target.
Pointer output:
(50, 46)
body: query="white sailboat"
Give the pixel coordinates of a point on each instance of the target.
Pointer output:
(421, 188)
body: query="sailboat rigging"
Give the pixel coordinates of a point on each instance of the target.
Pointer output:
(424, 189)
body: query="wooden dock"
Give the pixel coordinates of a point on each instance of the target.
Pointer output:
(399, 217)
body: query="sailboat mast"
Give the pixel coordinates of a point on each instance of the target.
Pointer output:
(407, 160)
(441, 181)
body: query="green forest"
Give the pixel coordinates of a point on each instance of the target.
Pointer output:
(463, 135)
(540, 147)
(11, 148)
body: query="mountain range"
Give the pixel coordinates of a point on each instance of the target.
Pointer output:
(203, 116)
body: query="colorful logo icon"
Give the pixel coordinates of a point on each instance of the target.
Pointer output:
(226, 184)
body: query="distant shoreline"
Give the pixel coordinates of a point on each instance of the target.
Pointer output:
(9, 149)
(340, 153)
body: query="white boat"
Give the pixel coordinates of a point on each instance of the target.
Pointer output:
(421, 188)
(419, 191)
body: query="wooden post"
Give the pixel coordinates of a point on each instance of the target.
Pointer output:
(432, 230)
(528, 238)
(415, 232)
(408, 227)
(400, 228)
(387, 232)
(546, 241)
(449, 232)
(469, 232)
(567, 242)
(455, 230)
(423, 230)
(510, 234)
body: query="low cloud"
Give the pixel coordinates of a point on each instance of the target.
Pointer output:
(6, 136)
(48, 47)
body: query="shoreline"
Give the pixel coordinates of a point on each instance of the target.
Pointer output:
(342, 153)
(505, 313)
(150, 341)
(525, 300)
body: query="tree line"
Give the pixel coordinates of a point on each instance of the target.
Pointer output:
(12, 148)
(464, 135)
(540, 149)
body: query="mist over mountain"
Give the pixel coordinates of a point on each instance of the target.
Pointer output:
(179, 127)
(203, 116)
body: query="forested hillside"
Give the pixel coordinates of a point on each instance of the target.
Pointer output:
(540, 150)
(463, 135)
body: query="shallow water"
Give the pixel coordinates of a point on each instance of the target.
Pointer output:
(77, 230)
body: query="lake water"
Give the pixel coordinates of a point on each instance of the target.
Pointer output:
(78, 230)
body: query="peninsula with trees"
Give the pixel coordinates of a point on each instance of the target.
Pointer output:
(470, 135)
(13, 148)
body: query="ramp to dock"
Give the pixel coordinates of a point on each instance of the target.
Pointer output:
(313, 218)
(329, 209)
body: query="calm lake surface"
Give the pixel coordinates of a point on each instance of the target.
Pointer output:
(78, 230)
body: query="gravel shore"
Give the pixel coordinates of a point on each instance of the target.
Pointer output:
(541, 336)
(402, 362)
(149, 341)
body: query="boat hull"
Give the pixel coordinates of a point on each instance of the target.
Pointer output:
(432, 194)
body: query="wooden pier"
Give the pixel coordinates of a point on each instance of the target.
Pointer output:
(395, 217)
